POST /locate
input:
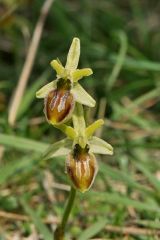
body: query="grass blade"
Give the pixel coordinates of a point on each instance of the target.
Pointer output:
(29, 96)
(12, 167)
(136, 64)
(155, 182)
(115, 198)
(121, 176)
(120, 59)
(22, 143)
(47, 235)
(93, 229)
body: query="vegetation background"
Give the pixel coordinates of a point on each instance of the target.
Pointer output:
(120, 41)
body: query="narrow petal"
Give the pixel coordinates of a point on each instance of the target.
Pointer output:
(43, 92)
(73, 55)
(99, 146)
(81, 167)
(58, 149)
(93, 127)
(82, 96)
(69, 131)
(58, 68)
(80, 73)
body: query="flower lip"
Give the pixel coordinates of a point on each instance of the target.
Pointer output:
(59, 103)
(81, 167)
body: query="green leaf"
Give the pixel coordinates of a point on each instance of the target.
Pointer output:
(29, 95)
(155, 182)
(47, 235)
(120, 111)
(12, 167)
(82, 96)
(57, 149)
(115, 198)
(22, 143)
(93, 229)
(42, 92)
(120, 59)
(138, 64)
(121, 176)
(99, 146)
(149, 224)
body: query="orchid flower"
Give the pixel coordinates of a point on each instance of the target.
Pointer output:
(61, 94)
(80, 147)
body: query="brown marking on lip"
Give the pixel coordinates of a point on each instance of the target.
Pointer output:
(81, 168)
(58, 105)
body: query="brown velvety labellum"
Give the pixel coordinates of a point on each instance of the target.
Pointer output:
(59, 105)
(81, 167)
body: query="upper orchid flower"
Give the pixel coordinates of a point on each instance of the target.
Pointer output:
(61, 94)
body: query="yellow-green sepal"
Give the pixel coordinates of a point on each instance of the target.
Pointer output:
(81, 96)
(73, 55)
(99, 146)
(42, 92)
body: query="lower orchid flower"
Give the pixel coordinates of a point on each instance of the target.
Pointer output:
(80, 147)
(81, 166)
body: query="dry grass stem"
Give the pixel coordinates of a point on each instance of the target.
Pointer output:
(20, 217)
(28, 65)
(132, 230)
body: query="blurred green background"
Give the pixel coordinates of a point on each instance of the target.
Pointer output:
(120, 41)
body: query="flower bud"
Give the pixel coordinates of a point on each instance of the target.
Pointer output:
(81, 167)
(59, 103)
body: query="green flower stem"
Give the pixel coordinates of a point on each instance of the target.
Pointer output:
(68, 207)
(80, 128)
(59, 233)
(79, 124)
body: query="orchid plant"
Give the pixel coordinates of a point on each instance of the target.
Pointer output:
(63, 101)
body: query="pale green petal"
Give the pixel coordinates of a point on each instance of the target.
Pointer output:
(82, 96)
(99, 146)
(93, 127)
(80, 73)
(61, 148)
(42, 92)
(73, 55)
(58, 68)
